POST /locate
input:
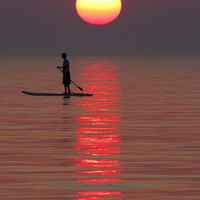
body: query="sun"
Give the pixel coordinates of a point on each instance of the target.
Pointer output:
(98, 12)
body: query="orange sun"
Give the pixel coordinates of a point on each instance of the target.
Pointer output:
(98, 12)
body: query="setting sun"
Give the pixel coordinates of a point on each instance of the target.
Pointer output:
(98, 12)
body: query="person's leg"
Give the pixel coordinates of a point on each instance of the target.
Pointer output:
(69, 91)
(65, 86)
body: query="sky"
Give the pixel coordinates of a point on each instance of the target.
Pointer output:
(144, 28)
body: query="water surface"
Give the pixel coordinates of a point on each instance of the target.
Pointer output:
(136, 138)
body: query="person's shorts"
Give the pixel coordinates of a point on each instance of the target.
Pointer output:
(66, 78)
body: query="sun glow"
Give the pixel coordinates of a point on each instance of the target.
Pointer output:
(98, 12)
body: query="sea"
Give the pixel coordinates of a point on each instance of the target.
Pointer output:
(136, 138)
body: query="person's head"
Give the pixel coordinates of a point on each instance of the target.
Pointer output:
(64, 55)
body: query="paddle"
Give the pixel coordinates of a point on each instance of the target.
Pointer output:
(77, 86)
(72, 81)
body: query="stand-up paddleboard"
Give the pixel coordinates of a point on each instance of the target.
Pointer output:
(56, 94)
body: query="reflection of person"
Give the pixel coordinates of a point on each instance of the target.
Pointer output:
(66, 73)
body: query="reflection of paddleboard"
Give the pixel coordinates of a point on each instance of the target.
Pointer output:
(56, 94)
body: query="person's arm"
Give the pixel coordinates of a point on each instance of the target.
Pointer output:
(60, 68)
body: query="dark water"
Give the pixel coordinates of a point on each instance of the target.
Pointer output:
(137, 138)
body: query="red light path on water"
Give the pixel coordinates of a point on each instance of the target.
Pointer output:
(97, 130)
(98, 163)
(99, 141)
(99, 181)
(101, 172)
(98, 145)
(102, 193)
(98, 152)
(97, 198)
(102, 103)
(100, 117)
(95, 195)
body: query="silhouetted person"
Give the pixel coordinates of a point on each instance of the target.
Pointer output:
(66, 73)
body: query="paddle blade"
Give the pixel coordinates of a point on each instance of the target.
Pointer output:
(80, 89)
(77, 86)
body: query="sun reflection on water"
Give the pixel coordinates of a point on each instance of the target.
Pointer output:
(98, 144)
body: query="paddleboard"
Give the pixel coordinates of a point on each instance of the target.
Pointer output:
(56, 94)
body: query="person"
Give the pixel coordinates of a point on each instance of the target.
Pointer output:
(66, 73)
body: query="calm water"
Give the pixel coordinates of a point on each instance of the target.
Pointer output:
(137, 138)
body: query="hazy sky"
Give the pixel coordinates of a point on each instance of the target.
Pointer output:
(144, 27)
